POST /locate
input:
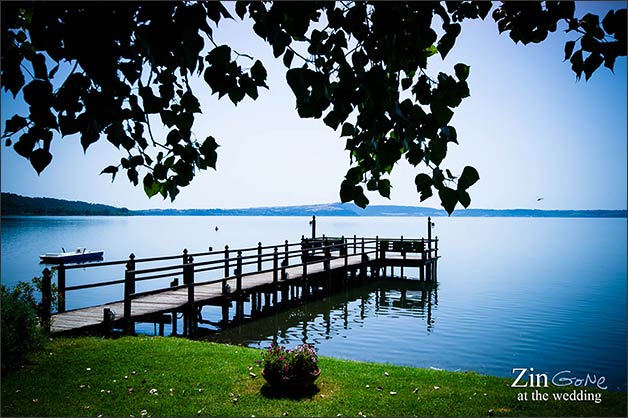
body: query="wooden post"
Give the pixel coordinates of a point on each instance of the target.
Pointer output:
(376, 256)
(275, 266)
(304, 260)
(189, 279)
(345, 246)
(174, 283)
(403, 255)
(429, 235)
(355, 244)
(363, 264)
(61, 288)
(286, 255)
(239, 273)
(226, 261)
(259, 256)
(327, 251)
(304, 254)
(129, 289)
(313, 223)
(46, 299)
(107, 320)
(436, 248)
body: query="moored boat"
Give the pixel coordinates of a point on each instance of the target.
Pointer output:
(81, 254)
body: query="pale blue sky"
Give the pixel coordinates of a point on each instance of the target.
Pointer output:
(529, 128)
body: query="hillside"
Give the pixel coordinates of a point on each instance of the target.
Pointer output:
(13, 205)
(16, 205)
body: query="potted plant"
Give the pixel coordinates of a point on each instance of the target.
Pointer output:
(290, 369)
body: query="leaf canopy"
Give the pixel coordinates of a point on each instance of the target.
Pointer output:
(347, 64)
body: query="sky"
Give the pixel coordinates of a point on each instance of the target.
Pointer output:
(538, 138)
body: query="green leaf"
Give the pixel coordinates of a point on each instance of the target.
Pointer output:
(415, 154)
(384, 188)
(438, 150)
(448, 199)
(462, 71)
(423, 185)
(287, 57)
(332, 119)
(591, 64)
(133, 176)
(259, 74)
(40, 158)
(240, 9)
(152, 103)
(468, 178)
(347, 129)
(448, 40)
(577, 63)
(464, 198)
(14, 124)
(151, 187)
(450, 134)
(208, 151)
(354, 175)
(37, 92)
(346, 191)
(442, 113)
(569, 46)
(112, 169)
(359, 198)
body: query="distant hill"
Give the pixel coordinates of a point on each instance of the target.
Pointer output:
(16, 205)
(13, 204)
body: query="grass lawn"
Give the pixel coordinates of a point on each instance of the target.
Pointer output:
(152, 376)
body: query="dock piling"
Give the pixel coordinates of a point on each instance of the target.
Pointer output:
(129, 289)
(61, 288)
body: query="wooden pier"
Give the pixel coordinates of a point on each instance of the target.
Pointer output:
(262, 277)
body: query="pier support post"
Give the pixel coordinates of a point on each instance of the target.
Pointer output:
(313, 223)
(286, 255)
(239, 274)
(377, 260)
(61, 288)
(226, 261)
(129, 289)
(429, 235)
(259, 256)
(45, 313)
(108, 317)
(188, 280)
(275, 267)
(174, 283)
(364, 257)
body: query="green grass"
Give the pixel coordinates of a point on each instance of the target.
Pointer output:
(154, 376)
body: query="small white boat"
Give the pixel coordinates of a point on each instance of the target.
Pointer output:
(81, 254)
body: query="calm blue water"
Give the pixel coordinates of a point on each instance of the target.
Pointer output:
(512, 293)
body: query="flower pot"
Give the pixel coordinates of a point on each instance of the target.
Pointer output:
(302, 381)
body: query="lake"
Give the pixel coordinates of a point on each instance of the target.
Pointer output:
(542, 293)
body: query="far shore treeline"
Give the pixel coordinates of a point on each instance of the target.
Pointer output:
(16, 205)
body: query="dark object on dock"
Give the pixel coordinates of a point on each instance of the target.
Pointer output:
(264, 277)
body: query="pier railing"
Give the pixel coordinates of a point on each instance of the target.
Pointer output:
(232, 266)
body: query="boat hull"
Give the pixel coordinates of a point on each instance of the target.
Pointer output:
(71, 257)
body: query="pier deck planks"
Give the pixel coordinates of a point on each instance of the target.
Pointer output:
(171, 300)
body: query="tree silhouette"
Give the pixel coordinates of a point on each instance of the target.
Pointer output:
(361, 67)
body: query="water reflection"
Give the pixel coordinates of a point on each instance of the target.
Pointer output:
(340, 315)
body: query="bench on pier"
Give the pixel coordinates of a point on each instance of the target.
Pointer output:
(315, 248)
(401, 247)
